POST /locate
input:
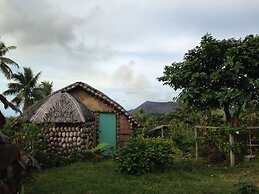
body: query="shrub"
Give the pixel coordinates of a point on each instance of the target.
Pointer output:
(246, 188)
(26, 136)
(142, 155)
(48, 159)
(95, 154)
(23, 134)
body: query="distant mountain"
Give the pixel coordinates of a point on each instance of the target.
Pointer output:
(156, 107)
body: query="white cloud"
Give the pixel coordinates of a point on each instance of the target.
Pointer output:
(119, 47)
(37, 23)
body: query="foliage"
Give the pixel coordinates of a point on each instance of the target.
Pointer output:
(45, 89)
(6, 62)
(182, 135)
(246, 188)
(95, 154)
(217, 74)
(98, 149)
(217, 145)
(147, 122)
(50, 159)
(187, 116)
(180, 124)
(9, 127)
(180, 128)
(250, 116)
(7, 71)
(26, 89)
(24, 135)
(142, 155)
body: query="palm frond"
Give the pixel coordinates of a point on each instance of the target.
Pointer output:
(5, 62)
(15, 86)
(9, 92)
(6, 70)
(4, 49)
(8, 61)
(37, 93)
(46, 87)
(29, 78)
(18, 99)
(19, 77)
(35, 79)
(26, 89)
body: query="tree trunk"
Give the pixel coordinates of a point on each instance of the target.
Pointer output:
(27, 103)
(2, 118)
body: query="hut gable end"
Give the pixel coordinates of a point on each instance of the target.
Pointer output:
(93, 103)
(61, 108)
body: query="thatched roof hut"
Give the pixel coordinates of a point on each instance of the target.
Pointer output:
(79, 105)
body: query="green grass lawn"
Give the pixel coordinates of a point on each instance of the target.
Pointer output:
(184, 177)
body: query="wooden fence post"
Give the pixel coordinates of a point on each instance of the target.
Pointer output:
(231, 153)
(162, 132)
(196, 143)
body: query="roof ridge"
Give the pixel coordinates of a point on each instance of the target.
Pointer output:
(76, 103)
(40, 110)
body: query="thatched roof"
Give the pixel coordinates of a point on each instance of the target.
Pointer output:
(60, 107)
(159, 128)
(98, 94)
(28, 114)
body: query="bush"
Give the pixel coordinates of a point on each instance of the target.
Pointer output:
(246, 188)
(48, 159)
(95, 154)
(23, 134)
(143, 155)
(26, 136)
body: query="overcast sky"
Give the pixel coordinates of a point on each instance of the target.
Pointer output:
(119, 47)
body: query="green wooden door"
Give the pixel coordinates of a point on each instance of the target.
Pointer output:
(107, 129)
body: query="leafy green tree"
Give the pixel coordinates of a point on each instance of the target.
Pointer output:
(24, 88)
(6, 62)
(250, 115)
(217, 74)
(147, 121)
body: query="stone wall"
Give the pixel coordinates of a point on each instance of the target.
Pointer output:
(63, 139)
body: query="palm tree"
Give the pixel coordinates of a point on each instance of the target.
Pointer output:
(6, 70)
(6, 62)
(46, 88)
(43, 90)
(25, 88)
